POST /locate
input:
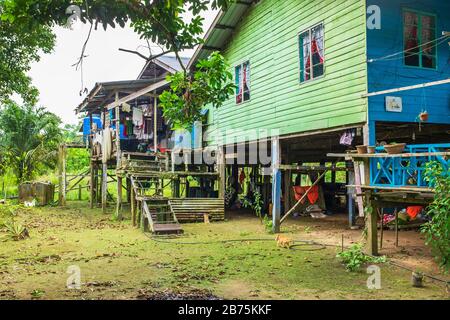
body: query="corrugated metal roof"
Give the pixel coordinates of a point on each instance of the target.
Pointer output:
(221, 30)
(103, 93)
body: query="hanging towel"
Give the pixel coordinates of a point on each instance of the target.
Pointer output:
(414, 211)
(138, 117)
(312, 196)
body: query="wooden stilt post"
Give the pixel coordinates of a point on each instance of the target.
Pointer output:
(371, 214)
(118, 163)
(133, 204)
(350, 179)
(221, 171)
(104, 186)
(155, 123)
(128, 190)
(62, 174)
(287, 181)
(276, 184)
(91, 165)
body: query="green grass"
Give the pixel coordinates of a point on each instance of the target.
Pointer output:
(118, 261)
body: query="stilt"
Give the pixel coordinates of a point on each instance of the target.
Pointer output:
(276, 185)
(118, 163)
(133, 205)
(104, 186)
(119, 215)
(371, 214)
(92, 185)
(221, 170)
(287, 179)
(62, 175)
(350, 179)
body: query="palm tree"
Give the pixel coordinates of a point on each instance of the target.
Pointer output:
(29, 138)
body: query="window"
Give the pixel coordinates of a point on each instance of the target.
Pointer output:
(242, 80)
(419, 30)
(312, 57)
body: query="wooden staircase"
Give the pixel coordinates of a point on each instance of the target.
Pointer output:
(156, 214)
(159, 217)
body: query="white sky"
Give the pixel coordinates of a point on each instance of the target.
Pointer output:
(59, 83)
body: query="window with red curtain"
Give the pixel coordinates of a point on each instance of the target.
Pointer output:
(312, 57)
(419, 33)
(242, 81)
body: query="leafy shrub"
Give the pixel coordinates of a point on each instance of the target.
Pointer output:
(353, 258)
(16, 231)
(437, 231)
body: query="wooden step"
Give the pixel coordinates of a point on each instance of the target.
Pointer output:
(167, 228)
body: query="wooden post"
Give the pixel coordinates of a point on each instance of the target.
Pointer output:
(276, 184)
(221, 171)
(62, 174)
(128, 190)
(133, 204)
(104, 186)
(91, 165)
(350, 179)
(155, 123)
(371, 214)
(118, 163)
(92, 183)
(287, 175)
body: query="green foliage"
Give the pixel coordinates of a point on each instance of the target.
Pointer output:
(25, 27)
(20, 47)
(268, 224)
(16, 231)
(210, 84)
(437, 231)
(29, 137)
(353, 258)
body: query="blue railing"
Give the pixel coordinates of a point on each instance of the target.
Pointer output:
(406, 171)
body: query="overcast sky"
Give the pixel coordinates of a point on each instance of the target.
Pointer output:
(59, 83)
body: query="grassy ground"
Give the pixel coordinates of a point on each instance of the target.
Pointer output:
(118, 261)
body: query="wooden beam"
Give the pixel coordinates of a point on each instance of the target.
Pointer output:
(224, 27)
(137, 94)
(417, 86)
(386, 155)
(286, 167)
(210, 48)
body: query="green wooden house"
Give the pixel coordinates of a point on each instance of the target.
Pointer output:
(261, 40)
(302, 77)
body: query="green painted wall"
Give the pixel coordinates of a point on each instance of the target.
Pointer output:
(268, 37)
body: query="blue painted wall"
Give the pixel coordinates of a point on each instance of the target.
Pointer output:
(392, 73)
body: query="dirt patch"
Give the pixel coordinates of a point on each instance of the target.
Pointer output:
(192, 294)
(236, 289)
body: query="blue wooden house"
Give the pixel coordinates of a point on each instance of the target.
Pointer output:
(408, 46)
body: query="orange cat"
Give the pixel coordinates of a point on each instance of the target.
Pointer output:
(284, 242)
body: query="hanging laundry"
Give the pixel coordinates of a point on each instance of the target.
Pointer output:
(347, 138)
(126, 107)
(138, 117)
(312, 196)
(414, 211)
(242, 177)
